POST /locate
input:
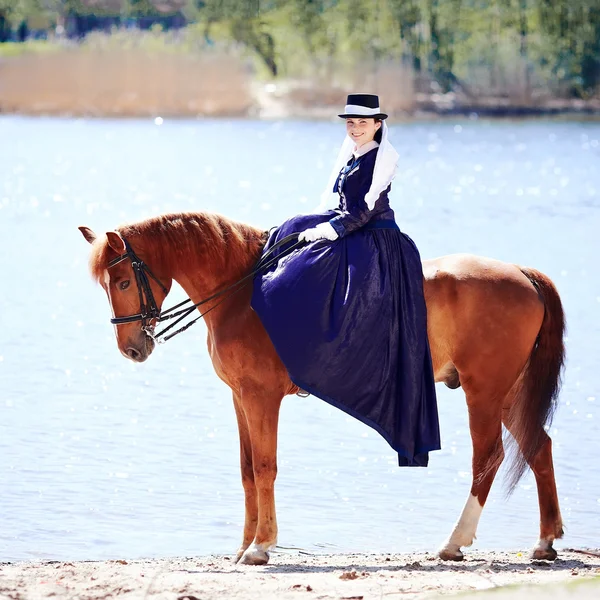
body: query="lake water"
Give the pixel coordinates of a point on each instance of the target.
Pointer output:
(102, 458)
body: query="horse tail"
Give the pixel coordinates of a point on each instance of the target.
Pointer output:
(537, 398)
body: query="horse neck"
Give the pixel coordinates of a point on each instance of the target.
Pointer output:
(210, 254)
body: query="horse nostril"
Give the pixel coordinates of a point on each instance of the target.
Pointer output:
(133, 353)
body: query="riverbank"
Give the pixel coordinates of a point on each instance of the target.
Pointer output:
(150, 76)
(294, 576)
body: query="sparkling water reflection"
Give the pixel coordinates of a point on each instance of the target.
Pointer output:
(103, 458)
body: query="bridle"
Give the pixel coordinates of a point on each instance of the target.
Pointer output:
(148, 308)
(149, 313)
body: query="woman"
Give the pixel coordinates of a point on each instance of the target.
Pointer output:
(346, 312)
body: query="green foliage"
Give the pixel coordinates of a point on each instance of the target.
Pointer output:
(554, 43)
(16, 11)
(138, 8)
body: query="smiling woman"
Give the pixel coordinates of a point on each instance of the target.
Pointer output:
(352, 301)
(363, 130)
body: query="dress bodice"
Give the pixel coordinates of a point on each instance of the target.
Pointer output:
(352, 185)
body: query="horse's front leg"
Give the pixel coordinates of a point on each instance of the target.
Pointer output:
(262, 415)
(251, 501)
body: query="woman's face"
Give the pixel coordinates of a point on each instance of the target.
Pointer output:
(362, 129)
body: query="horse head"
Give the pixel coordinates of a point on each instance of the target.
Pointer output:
(136, 286)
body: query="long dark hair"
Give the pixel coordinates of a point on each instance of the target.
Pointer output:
(379, 132)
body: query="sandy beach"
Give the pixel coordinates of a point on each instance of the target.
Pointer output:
(576, 573)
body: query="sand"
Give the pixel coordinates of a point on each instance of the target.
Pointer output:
(306, 577)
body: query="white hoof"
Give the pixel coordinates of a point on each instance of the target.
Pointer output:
(255, 554)
(240, 553)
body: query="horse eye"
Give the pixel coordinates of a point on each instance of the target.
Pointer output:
(124, 284)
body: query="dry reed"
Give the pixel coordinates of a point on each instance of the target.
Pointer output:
(125, 82)
(393, 82)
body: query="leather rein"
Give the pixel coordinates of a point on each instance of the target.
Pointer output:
(149, 311)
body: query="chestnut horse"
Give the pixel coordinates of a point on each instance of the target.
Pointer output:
(496, 329)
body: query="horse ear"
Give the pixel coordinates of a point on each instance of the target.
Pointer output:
(88, 234)
(115, 241)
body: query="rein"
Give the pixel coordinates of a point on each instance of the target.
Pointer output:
(149, 311)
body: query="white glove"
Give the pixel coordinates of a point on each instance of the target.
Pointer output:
(323, 231)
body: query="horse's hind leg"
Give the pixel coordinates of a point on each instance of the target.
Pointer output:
(551, 525)
(251, 502)
(486, 434)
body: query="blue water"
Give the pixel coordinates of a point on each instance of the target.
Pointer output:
(103, 458)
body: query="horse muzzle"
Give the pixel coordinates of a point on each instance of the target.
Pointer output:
(138, 351)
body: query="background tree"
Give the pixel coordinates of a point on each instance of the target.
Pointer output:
(245, 26)
(549, 43)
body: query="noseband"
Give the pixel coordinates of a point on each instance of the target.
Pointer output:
(149, 311)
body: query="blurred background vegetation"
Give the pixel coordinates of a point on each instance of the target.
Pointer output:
(422, 52)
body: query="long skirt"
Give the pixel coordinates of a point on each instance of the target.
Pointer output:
(348, 319)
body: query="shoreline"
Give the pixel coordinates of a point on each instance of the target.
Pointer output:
(300, 575)
(419, 116)
(278, 112)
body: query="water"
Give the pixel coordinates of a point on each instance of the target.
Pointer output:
(102, 458)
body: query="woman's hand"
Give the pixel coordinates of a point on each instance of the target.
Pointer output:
(323, 231)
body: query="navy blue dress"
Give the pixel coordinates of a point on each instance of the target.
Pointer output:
(348, 317)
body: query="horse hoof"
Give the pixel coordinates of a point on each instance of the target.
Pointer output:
(544, 554)
(451, 554)
(254, 555)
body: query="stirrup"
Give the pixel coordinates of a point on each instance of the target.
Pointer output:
(302, 394)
